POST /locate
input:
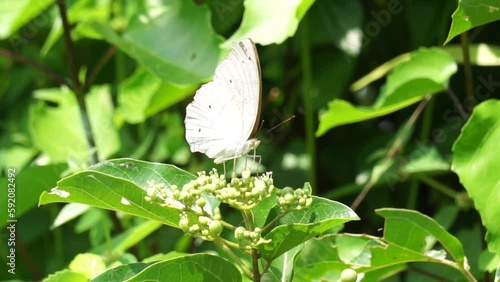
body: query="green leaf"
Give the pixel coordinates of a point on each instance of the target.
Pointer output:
(406, 239)
(68, 213)
(134, 95)
(120, 185)
(320, 259)
(143, 95)
(379, 72)
(121, 272)
(411, 229)
(475, 160)
(66, 275)
(427, 72)
(299, 226)
(472, 13)
(129, 238)
(282, 268)
(268, 22)
(174, 42)
(197, 267)
(480, 54)
(58, 130)
(30, 182)
(89, 265)
(425, 159)
(15, 14)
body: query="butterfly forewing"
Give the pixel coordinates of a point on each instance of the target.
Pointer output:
(225, 111)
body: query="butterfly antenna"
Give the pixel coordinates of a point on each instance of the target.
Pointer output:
(281, 123)
(261, 124)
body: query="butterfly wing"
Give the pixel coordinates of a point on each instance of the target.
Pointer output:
(225, 111)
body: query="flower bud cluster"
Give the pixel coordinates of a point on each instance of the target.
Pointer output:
(246, 192)
(298, 199)
(249, 238)
(202, 226)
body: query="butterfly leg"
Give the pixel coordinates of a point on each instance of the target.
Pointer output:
(254, 157)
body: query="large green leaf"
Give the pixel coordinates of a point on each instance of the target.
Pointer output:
(196, 267)
(58, 131)
(475, 160)
(473, 13)
(17, 13)
(411, 230)
(299, 226)
(268, 22)
(120, 185)
(408, 237)
(173, 41)
(426, 72)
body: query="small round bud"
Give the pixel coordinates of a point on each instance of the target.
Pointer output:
(239, 233)
(215, 227)
(289, 197)
(184, 223)
(203, 220)
(348, 275)
(201, 202)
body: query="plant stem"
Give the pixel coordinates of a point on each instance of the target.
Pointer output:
(250, 226)
(238, 261)
(271, 224)
(50, 73)
(469, 82)
(77, 89)
(73, 68)
(308, 101)
(413, 194)
(457, 104)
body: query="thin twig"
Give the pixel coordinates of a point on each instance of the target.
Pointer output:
(50, 73)
(98, 67)
(392, 151)
(77, 89)
(469, 82)
(69, 45)
(456, 103)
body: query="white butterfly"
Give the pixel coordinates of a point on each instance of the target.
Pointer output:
(225, 112)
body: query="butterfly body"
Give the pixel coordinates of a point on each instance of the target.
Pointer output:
(224, 113)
